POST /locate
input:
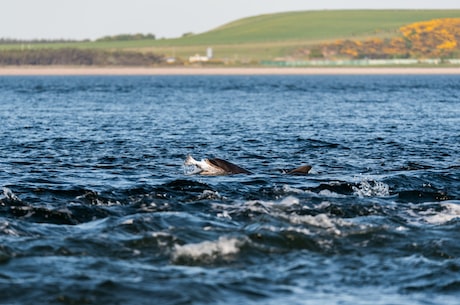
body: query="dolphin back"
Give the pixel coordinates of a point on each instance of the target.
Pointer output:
(228, 167)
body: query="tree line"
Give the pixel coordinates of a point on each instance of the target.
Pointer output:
(74, 56)
(10, 41)
(127, 37)
(119, 37)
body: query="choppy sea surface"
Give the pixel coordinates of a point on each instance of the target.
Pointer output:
(96, 208)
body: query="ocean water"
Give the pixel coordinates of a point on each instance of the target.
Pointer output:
(96, 206)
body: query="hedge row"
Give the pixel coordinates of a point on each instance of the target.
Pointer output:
(87, 57)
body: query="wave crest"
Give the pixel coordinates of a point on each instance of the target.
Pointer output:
(224, 249)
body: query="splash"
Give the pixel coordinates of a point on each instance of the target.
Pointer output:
(190, 169)
(371, 188)
(10, 195)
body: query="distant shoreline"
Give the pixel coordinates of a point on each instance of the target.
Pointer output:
(68, 71)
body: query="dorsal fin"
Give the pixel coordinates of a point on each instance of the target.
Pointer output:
(301, 170)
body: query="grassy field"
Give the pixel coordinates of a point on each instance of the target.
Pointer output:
(315, 25)
(272, 35)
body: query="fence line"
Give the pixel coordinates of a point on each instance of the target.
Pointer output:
(358, 62)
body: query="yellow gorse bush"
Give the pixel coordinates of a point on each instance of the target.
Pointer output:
(434, 38)
(438, 34)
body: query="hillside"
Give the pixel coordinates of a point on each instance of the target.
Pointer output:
(268, 36)
(313, 26)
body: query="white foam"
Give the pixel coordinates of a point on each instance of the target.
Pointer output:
(320, 221)
(162, 239)
(6, 229)
(190, 169)
(224, 215)
(303, 231)
(208, 194)
(371, 188)
(225, 248)
(9, 194)
(290, 201)
(289, 189)
(263, 206)
(451, 210)
(330, 194)
(322, 205)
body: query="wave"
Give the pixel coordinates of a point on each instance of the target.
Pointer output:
(75, 205)
(434, 213)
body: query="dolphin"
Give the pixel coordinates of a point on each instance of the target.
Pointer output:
(219, 167)
(214, 167)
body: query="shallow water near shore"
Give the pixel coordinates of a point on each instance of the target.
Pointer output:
(96, 205)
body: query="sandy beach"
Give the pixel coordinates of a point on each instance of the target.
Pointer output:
(11, 71)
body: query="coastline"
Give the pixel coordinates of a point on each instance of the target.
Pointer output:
(68, 71)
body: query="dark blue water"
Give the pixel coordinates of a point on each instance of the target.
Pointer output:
(96, 207)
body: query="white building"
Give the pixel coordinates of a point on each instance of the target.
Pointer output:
(198, 58)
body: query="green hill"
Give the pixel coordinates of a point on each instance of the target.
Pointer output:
(278, 35)
(271, 35)
(310, 26)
